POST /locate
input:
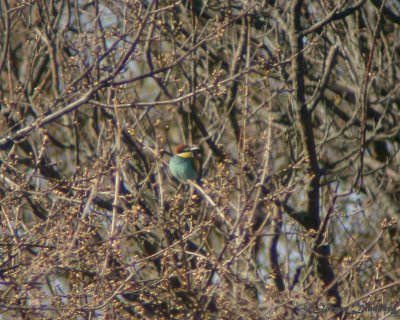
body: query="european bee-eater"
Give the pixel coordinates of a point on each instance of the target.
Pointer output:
(183, 164)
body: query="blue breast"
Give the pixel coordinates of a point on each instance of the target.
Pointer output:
(182, 168)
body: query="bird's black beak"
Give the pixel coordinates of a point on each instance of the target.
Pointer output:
(195, 149)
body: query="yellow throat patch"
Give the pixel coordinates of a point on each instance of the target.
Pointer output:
(186, 155)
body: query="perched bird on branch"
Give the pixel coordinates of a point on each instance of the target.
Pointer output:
(186, 164)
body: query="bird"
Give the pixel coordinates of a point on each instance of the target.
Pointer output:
(184, 165)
